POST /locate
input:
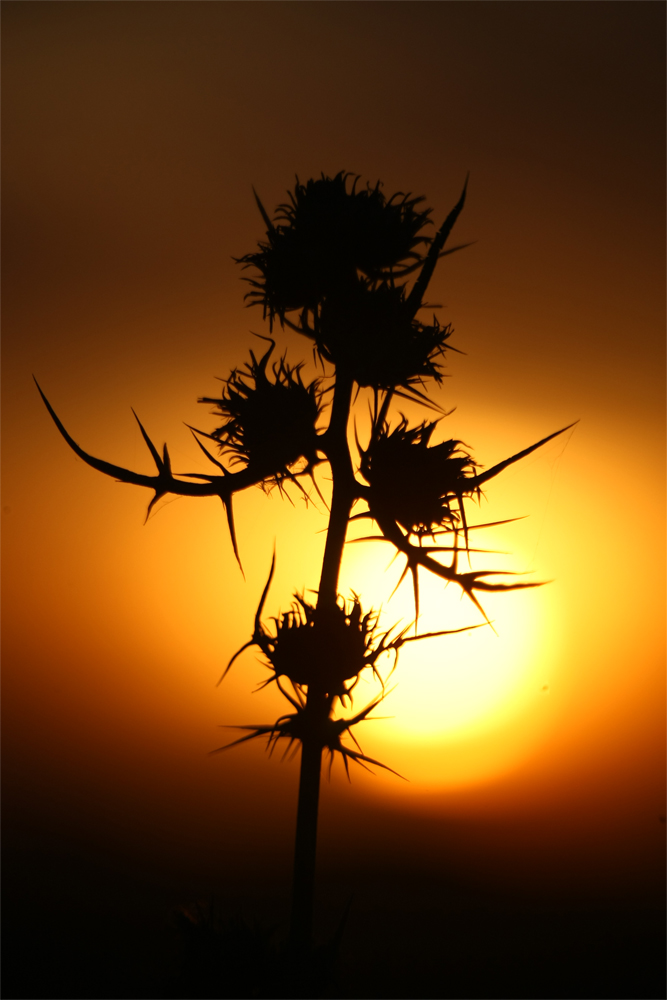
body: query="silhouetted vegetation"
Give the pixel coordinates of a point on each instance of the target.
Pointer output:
(348, 269)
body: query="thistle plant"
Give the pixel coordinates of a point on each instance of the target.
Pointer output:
(348, 269)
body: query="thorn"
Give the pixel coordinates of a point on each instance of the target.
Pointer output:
(260, 606)
(269, 225)
(227, 503)
(151, 447)
(210, 457)
(483, 477)
(155, 499)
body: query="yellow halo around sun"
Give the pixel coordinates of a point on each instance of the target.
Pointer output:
(457, 689)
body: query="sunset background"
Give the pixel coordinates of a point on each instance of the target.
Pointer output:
(133, 134)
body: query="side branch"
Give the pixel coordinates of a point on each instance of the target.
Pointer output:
(469, 582)
(165, 481)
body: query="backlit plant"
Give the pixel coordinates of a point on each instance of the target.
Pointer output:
(348, 269)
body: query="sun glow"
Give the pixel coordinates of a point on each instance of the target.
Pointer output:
(458, 686)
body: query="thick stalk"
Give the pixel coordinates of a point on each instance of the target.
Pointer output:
(317, 702)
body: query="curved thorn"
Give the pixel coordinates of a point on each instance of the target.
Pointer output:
(415, 584)
(461, 246)
(286, 694)
(236, 654)
(269, 225)
(409, 394)
(158, 496)
(483, 477)
(402, 576)
(151, 447)
(449, 631)
(124, 475)
(416, 296)
(227, 504)
(260, 606)
(210, 457)
(196, 430)
(243, 739)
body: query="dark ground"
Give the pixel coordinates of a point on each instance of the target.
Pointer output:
(100, 928)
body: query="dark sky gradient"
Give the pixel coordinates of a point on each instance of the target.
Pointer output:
(133, 133)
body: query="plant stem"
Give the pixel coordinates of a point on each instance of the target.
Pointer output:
(305, 845)
(317, 703)
(338, 454)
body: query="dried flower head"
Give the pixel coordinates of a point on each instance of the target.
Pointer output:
(270, 422)
(327, 643)
(326, 233)
(328, 646)
(370, 332)
(414, 483)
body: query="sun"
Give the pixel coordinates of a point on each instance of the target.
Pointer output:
(458, 687)
(455, 683)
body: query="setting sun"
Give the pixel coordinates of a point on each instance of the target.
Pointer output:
(454, 691)
(495, 802)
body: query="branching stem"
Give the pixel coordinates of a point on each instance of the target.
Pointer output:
(318, 705)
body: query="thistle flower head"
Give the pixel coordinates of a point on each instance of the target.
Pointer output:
(370, 332)
(328, 645)
(270, 419)
(414, 483)
(326, 233)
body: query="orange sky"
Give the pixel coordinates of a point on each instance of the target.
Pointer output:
(132, 136)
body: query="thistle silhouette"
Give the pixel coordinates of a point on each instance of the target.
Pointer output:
(336, 266)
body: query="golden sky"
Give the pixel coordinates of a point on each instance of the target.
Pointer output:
(132, 136)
